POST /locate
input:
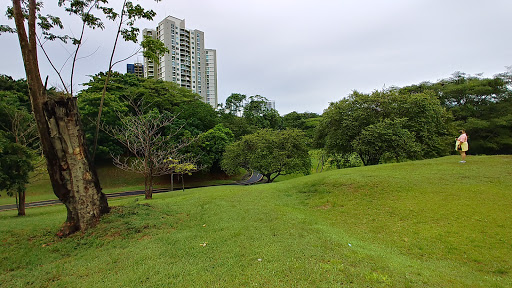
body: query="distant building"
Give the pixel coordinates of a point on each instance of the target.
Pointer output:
(211, 77)
(149, 65)
(188, 63)
(270, 104)
(136, 68)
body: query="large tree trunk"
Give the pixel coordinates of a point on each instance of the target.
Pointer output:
(72, 175)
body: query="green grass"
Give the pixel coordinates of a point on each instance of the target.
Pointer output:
(431, 223)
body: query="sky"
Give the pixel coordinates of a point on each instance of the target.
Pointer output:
(304, 54)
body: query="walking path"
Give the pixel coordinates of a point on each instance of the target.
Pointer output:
(255, 177)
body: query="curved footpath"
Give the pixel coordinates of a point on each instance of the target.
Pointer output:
(254, 178)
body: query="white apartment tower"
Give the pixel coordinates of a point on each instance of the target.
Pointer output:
(188, 63)
(211, 77)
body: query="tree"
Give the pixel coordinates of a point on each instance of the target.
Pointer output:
(236, 124)
(235, 103)
(20, 139)
(15, 166)
(212, 145)
(257, 113)
(272, 153)
(193, 116)
(196, 116)
(181, 168)
(152, 47)
(422, 116)
(88, 104)
(72, 175)
(150, 149)
(306, 121)
(387, 138)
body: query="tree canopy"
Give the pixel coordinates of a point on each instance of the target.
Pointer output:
(481, 106)
(192, 115)
(272, 153)
(348, 125)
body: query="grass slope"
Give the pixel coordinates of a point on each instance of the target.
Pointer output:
(432, 223)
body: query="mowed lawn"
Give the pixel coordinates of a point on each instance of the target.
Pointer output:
(431, 223)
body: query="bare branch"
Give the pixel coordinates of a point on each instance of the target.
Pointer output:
(133, 54)
(150, 150)
(79, 43)
(53, 66)
(87, 56)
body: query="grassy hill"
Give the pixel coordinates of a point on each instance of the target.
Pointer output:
(431, 223)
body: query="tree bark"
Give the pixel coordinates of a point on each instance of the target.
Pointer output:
(21, 202)
(148, 186)
(73, 177)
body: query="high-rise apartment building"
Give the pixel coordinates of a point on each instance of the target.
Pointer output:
(211, 77)
(135, 68)
(188, 63)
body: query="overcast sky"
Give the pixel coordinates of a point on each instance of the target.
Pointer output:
(305, 54)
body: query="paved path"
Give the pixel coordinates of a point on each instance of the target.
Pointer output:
(255, 177)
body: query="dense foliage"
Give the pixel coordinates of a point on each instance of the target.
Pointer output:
(385, 124)
(481, 106)
(212, 144)
(15, 166)
(18, 138)
(245, 115)
(193, 115)
(271, 153)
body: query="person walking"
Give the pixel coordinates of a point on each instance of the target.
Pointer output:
(462, 145)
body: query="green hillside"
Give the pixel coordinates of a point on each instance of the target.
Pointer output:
(431, 223)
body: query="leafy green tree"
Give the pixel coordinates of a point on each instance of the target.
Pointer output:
(88, 103)
(212, 144)
(181, 168)
(235, 104)
(193, 116)
(196, 116)
(19, 138)
(423, 117)
(272, 153)
(306, 122)
(14, 92)
(163, 95)
(245, 115)
(258, 114)
(237, 125)
(386, 139)
(15, 166)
